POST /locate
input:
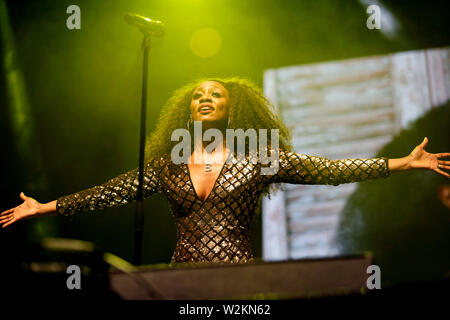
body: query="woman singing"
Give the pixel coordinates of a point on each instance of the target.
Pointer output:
(213, 200)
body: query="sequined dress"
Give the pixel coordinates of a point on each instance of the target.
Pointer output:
(218, 228)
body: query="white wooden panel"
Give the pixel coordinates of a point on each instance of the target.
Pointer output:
(344, 109)
(275, 243)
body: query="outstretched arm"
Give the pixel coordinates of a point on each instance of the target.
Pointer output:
(303, 169)
(420, 159)
(115, 192)
(30, 208)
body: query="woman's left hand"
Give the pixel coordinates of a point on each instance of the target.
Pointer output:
(420, 159)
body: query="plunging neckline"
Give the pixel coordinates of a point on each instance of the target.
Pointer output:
(215, 181)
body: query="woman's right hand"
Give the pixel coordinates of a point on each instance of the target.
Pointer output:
(28, 209)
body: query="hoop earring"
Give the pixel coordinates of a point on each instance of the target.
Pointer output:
(188, 125)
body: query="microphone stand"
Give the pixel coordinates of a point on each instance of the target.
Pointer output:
(139, 213)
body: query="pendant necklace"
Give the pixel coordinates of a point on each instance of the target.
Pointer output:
(208, 164)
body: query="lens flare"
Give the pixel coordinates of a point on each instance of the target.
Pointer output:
(206, 42)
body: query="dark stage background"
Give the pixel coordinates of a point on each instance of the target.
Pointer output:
(83, 89)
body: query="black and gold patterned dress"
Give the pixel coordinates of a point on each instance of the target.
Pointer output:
(218, 228)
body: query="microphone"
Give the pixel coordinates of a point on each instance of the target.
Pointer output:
(146, 25)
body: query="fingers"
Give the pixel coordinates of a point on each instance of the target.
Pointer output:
(7, 211)
(424, 142)
(445, 174)
(4, 219)
(23, 196)
(7, 217)
(443, 155)
(7, 220)
(444, 166)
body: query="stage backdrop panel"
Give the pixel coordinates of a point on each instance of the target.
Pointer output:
(342, 109)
